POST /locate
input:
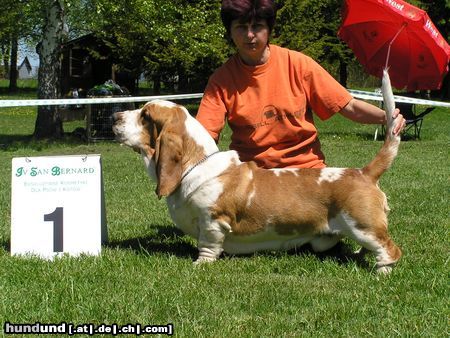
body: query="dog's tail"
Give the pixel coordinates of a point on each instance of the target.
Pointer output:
(383, 160)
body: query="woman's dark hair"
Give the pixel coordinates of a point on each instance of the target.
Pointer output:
(246, 11)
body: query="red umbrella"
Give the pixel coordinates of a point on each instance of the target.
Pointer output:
(397, 35)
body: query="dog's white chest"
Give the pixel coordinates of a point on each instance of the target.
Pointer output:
(183, 215)
(190, 205)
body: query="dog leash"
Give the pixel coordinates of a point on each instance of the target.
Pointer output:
(198, 163)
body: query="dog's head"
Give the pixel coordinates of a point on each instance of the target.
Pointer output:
(156, 131)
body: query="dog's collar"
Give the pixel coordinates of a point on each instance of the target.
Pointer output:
(197, 164)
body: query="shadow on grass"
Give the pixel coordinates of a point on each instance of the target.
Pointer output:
(6, 246)
(341, 253)
(11, 142)
(168, 239)
(21, 90)
(15, 142)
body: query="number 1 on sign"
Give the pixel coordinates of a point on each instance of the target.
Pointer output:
(57, 218)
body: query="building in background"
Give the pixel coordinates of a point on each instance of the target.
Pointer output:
(26, 70)
(87, 62)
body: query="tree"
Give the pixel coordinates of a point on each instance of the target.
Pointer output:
(48, 122)
(311, 26)
(4, 52)
(439, 12)
(13, 73)
(36, 20)
(9, 35)
(169, 40)
(18, 21)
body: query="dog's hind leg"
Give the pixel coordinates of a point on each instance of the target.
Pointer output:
(210, 240)
(387, 253)
(385, 250)
(375, 238)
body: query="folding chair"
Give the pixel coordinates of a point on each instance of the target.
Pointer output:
(413, 120)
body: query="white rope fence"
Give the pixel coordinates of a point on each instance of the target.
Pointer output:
(103, 100)
(364, 95)
(375, 96)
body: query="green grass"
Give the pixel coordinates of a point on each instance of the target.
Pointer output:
(145, 273)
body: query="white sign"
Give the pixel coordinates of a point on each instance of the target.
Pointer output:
(57, 205)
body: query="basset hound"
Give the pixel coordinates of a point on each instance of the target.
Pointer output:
(237, 207)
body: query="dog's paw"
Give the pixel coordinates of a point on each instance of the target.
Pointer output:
(384, 270)
(203, 260)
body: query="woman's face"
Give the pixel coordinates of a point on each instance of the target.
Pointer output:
(250, 38)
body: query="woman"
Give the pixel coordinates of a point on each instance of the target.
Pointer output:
(268, 94)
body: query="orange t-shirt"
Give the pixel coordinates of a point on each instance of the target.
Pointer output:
(268, 108)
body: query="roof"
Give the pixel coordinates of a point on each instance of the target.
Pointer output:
(26, 63)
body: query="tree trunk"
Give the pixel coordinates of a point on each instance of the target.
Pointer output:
(13, 73)
(445, 89)
(343, 73)
(6, 54)
(183, 81)
(48, 121)
(156, 84)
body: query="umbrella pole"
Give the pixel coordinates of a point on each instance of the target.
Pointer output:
(392, 41)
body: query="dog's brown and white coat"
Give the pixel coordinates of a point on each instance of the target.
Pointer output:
(236, 207)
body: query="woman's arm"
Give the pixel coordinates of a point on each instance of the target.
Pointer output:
(363, 112)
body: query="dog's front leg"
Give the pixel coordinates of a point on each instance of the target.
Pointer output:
(210, 241)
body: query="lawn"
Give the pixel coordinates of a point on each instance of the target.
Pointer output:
(145, 273)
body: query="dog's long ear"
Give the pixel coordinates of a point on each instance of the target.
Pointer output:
(168, 157)
(158, 114)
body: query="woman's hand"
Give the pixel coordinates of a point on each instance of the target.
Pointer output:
(400, 122)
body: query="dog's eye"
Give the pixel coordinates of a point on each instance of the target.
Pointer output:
(145, 116)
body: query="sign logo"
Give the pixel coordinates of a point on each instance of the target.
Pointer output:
(53, 171)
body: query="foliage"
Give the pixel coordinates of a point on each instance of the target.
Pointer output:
(310, 26)
(108, 88)
(23, 18)
(17, 22)
(18, 18)
(439, 12)
(163, 38)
